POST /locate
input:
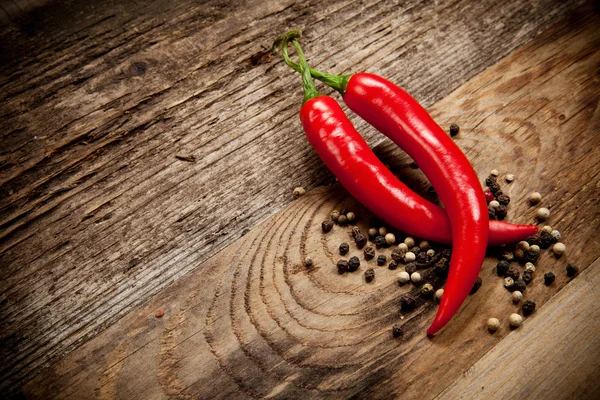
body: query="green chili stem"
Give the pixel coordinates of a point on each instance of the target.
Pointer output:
(310, 91)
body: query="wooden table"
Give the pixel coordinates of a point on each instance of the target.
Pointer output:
(149, 152)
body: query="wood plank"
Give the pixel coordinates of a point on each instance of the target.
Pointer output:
(252, 322)
(557, 352)
(96, 211)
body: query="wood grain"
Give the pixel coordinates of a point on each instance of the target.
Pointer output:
(253, 322)
(98, 212)
(557, 352)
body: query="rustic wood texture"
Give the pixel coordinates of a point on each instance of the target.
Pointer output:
(253, 322)
(99, 208)
(552, 350)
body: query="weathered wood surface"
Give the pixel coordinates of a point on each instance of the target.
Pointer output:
(252, 322)
(551, 352)
(96, 211)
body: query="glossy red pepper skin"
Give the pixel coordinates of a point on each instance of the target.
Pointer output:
(349, 158)
(393, 112)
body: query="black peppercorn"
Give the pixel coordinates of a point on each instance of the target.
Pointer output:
(501, 212)
(342, 266)
(380, 241)
(490, 179)
(308, 262)
(549, 278)
(393, 264)
(344, 249)
(327, 226)
(397, 331)
(491, 213)
(502, 267)
(572, 270)
(342, 220)
(476, 286)
(534, 239)
(398, 255)
(355, 231)
(513, 272)
(528, 307)
(411, 267)
(353, 264)
(360, 240)
(527, 276)
(547, 240)
(446, 253)
(519, 285)
(369, 252)
(441, 267)
(503, 199)
(407, 302)
(494, 187)
(423, 259)
(381, 259)
(415, 250)
(531, 256)
(344, 211)
(454, 129)
(369, 275)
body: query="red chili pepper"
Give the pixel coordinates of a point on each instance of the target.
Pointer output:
(396, 114)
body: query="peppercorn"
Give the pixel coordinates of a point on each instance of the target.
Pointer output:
(342, 266)
(534, 249)
(393, 265)
(513, 272)
(494, 187)
(509, 282)
(572, 270)
(398, 255)
(397, 331)
(430, 252)
(542, 214)
(508, 255)
(529, 267)
(515, 320)
(534, 239)
(344, 211)
(403, 277)
(424, 245)
(438, 294)
(549, 278)
(494, 204)
(355, 231)
(342, 220)
(372, 233)
(369, 275)
(446, 253)
(491, 213)
(383, 231)
(360, 240)
(509, 178)
(454, 129)
(503, 199)
(427, 289)
(298, 192)
(351, 216)
(327, 226)
(519, 285)
(411, 267)
(519, 254)
(410, 257)
(523, 245)
(353, 264)
(528, 307)
(476, 286)
(527, 276)
(535, 198)
(344, 249)
(546, 228)
(403, 247)
(490, 180)
(381, 259)
(369, 252)
(494, 172)
(380, 241)
(502, 267)
(531, 256)
(335, 214)
(415, 250)
(493, 324)
(441, 267)
(409, 241)
(558, 249)
(501, 212)
(390, 238)
(423, 260)
(546, 240)
(517, 296)
(415, 277)
(308, 262)
(556, 235)
(407, 302)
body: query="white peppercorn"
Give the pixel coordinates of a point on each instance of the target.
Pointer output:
(515, 320)
(390, 238)
(438, 294)
(415, 277)
(559, 248)
(494, 204)
(508, 282)
(523, 245)
(298, 191)
(335, 214)
(516, 296)
(543, 213)
(535, 198)
(529, 267)
(431, 252)
(546, 228)
(556, 234)
(403, 277)
(403, 247)
(427, 289)
(410, 242)
(534, 249)
(493, 324)
(509, 178)
(383, 231)
(494, 172)
(351, 216)
(410, 256)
